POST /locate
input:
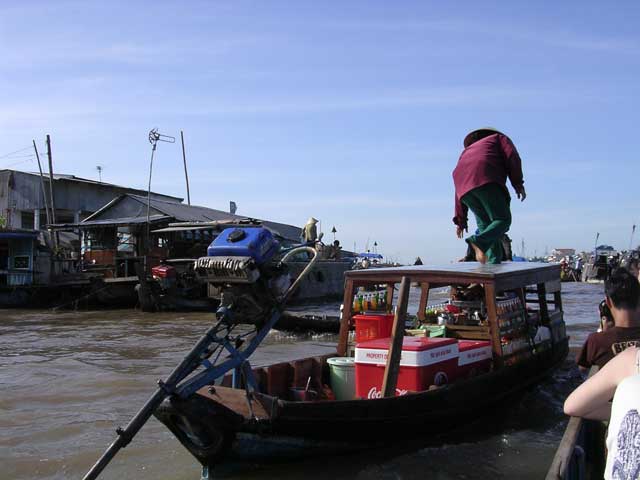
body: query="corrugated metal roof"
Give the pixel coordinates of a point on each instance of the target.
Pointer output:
(107, 222)
(73, 178)
(193, 213)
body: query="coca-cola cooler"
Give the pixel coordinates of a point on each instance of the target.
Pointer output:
(475, 357)
(424, 362)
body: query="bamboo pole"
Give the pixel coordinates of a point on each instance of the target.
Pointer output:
(397, 335)
(186, 175)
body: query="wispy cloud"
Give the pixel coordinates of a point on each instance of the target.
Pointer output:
(146, 105)
(465, 28)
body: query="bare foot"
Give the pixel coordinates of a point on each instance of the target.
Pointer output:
(480, 256)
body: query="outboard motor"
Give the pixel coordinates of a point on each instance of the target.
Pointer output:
(243, 264)
(246, 264)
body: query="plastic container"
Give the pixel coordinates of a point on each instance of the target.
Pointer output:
(475, 357)
(163, 271)
(255, 242)
(372, 327)
(342, 373)
(424, 361)
(299, 394)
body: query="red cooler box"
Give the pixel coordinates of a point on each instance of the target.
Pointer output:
(425, 361)
(370, 327)
(475, 357)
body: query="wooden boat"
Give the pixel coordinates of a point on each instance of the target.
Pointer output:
(581, 454)
(219, 421)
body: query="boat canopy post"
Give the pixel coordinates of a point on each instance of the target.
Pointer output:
(424, 297)
(390, 378)
(542, 301)
(345, 321)
(494, 327)
(390, 289)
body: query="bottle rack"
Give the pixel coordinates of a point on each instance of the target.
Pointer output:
(512, 321)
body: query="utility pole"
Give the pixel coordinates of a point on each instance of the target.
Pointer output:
(53, 205)
(186, 175)
(154, 138)
(44, 192)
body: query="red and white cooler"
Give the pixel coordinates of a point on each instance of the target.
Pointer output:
(424, 361)
(475, 357)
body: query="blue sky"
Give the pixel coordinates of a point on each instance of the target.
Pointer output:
(353, 112)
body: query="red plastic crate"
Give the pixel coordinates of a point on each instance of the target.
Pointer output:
(372, 327)
(163, 271)
(475, 357)
(424, 361)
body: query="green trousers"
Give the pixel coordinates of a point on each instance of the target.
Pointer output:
(490, 204)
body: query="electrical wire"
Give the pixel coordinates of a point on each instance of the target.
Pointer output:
(19, 163)
(17, 151)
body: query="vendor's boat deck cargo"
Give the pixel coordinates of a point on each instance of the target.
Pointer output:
(517, 310)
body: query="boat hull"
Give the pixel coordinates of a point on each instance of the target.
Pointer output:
(219, 424)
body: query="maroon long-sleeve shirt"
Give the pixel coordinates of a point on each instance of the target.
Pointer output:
(489, 160)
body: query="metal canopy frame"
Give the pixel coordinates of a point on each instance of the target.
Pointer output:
(494, 278)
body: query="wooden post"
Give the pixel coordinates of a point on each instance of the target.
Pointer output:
(389, 296)
(345, 323)
(542, 298)
(557, 300)
(494, 326)
(424, 297)
(397, 335)
(186, 175)
(44, 191)
(53, 205)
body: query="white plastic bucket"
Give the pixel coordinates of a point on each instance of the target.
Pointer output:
(342, 374)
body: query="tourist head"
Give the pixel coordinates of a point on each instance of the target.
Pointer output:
(622, 290)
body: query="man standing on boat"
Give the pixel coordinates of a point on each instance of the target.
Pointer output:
(480, 179)
(310, 231)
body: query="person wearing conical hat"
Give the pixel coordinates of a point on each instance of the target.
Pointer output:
(310, 231)
(480, 179)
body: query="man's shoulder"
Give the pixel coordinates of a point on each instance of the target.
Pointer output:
(599, 339)
(635, 330)
(598, 336)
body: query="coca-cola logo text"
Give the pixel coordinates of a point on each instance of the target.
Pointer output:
(375, 393)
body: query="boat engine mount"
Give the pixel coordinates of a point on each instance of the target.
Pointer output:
(243, 264)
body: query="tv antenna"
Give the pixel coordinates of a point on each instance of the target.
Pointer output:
(154, 138)
(99, 168)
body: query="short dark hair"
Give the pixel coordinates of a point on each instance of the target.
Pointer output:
(623, 289)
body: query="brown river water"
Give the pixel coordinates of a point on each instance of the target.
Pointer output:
(67, 379)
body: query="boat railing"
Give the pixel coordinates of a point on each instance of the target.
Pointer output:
(581, 452)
